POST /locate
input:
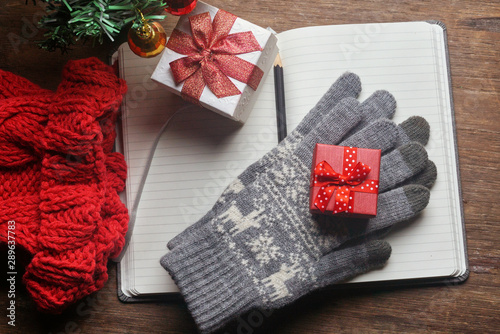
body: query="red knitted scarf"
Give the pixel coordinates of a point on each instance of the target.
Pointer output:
(59, 179)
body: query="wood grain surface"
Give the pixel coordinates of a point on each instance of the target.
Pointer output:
(473, 35)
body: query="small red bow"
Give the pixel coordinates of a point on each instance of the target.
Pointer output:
(342, 185)
(211, 57)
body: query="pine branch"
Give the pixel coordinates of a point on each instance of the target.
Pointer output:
(68, 21)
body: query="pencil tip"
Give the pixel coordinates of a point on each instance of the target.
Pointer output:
(277, 61)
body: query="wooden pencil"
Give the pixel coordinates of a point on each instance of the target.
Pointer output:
(279, 89)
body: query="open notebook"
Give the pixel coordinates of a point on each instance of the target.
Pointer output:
(201, 152)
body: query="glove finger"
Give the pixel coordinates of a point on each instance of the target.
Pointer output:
(347, 85)
(394, 206)
(398, 205)
(332, 128)
(415, 128)
(401, 164)
(344, 264)
(381, 135)
(427, 177)
(379, 105)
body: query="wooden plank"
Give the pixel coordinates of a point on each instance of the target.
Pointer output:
(473, 32)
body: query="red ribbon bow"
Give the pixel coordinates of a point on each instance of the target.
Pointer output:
(342, 185)
(211, 57)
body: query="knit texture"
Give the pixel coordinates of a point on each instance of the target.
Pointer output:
(59, 179)
(380, 105)
(264, 248)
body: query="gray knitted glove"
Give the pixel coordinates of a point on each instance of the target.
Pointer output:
(380, 104)
(263, 249)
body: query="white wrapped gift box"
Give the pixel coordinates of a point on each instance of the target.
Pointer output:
(236, 107)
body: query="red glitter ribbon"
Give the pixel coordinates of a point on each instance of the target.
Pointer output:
(211, 57)
(343, 185)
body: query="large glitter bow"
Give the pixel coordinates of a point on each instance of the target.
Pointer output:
(342, 185)
(211, 57)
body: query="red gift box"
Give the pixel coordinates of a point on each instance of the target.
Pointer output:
(344, 181)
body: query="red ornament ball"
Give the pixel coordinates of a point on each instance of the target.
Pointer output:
(180, 7)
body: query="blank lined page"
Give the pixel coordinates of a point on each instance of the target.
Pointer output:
(408, 60)
(198, 155)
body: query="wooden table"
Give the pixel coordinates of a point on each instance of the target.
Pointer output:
(474, 36)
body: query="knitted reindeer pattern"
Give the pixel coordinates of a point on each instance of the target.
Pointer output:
(59, 179)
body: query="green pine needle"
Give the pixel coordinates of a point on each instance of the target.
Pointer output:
(68, 21)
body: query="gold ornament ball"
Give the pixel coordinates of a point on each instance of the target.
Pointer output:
(148, 39)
